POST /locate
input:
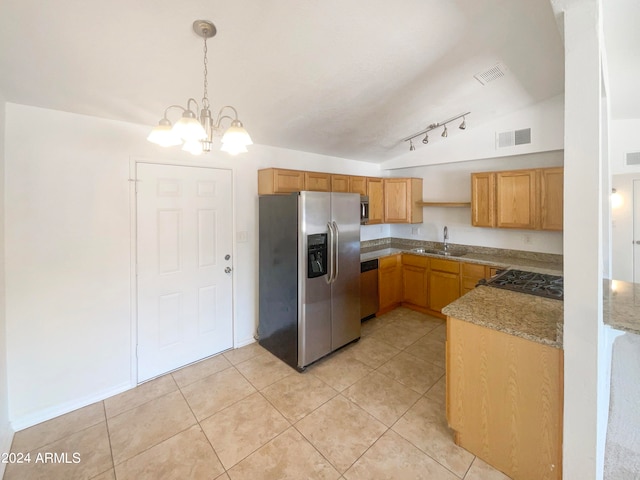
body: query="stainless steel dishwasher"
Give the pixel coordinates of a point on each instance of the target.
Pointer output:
(368, 289)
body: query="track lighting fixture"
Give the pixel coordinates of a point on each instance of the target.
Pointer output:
(445, 132)
(196, 135)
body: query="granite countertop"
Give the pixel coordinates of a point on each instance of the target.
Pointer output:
(621, 305)
(501, 258)
(527, 316)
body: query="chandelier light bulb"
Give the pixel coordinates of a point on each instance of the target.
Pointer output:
(163, 135)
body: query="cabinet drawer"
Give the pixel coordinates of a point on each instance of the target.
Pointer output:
(415, 260)
(473, 270)
(445, 265)
(469, 283)
(388, 262)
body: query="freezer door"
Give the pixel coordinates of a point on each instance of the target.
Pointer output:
(345, 289)
(314, 319)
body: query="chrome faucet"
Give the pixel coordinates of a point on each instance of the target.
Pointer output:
(445, 246)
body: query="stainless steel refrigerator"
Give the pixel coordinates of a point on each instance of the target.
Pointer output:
(309, 274)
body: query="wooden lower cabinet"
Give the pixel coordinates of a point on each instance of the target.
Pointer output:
(389, 283)
(415, 274)
(471, 274)
(444, 283)
(504, 400)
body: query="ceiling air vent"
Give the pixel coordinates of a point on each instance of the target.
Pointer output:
(494, 73)
(513, 138)
(633, 158)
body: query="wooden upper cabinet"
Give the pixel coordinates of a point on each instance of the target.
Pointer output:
(483, 203)
(526, 199)
(517, 199)
(375, 191)
(340, 183)
(317, 182)
(358, 185)
(401, 196)
(278, 180)
(551, 198)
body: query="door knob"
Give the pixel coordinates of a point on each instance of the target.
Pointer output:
(227, 270)
(637, 242)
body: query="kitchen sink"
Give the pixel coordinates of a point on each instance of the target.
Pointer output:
(444, 253)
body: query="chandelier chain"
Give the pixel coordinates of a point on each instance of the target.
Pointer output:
(205, 99)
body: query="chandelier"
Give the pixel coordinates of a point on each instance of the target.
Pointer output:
(196, 135)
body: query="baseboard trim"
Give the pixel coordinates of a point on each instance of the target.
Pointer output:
(245, 342)
(31, 419)
(6, 439)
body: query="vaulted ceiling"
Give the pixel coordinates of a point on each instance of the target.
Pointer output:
(342, 78)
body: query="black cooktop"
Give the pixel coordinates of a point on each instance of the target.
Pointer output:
(541, 284)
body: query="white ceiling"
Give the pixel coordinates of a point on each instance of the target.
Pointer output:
(336, 77)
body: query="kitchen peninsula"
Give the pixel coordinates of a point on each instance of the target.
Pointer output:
(505, 380)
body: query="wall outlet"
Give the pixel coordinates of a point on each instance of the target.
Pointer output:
(415, 231)
(242, 236)
(527, 239)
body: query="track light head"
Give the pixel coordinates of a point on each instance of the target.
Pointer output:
(445, 134)
(463, 125)
(411, 146)
(425, 140)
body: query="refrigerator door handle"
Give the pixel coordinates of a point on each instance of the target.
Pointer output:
(331, 254)
(335, 252)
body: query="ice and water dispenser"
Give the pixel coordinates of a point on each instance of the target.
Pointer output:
(316, 255)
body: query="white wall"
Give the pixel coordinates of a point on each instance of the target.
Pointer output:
(6, 432)
(452, 183)
(546, 120)
(624, 137)
(68, 252)
(584, 356)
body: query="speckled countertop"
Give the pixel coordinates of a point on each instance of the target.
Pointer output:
(527, 316)
(621, 305)
(501, 258)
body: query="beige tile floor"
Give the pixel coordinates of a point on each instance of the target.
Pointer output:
(374, 410)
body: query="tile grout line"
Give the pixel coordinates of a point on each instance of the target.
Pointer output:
(106, 421)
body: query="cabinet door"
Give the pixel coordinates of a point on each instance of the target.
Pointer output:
(277, 180)
(358, 185)
(340, 183)
(397, 198)
(375, 191)
(317, 182)
(516, 199)
(483, 203)
(414, 279)
(551, 198)
(390, 282)
(444, 288)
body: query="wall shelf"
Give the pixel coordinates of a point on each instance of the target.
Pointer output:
(444, 204)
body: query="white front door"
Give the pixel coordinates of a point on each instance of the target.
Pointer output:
(184, 240)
